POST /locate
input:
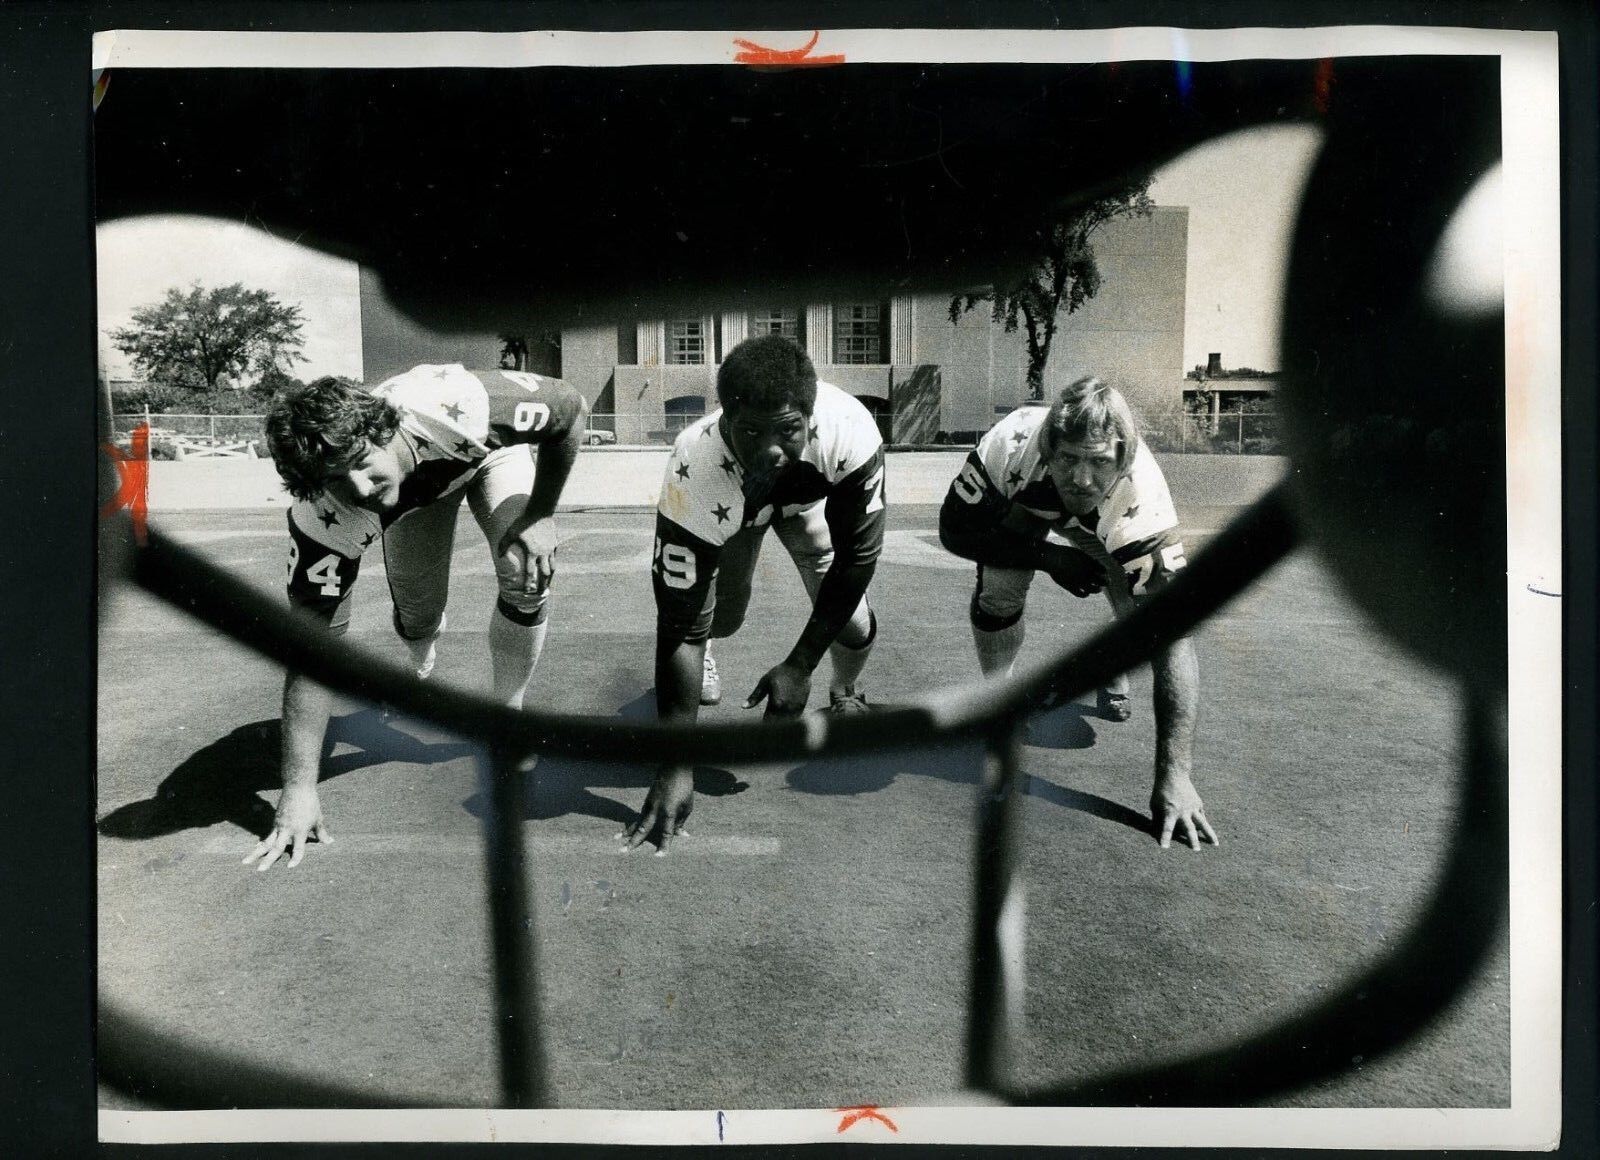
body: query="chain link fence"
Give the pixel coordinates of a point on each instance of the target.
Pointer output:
(1225, 433)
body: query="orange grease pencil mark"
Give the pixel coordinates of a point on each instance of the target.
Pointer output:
(860, 1112)
(133, 482)
(761, 56)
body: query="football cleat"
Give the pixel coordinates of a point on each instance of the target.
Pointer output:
(710, 683)
(1113, 706)
(848, 701)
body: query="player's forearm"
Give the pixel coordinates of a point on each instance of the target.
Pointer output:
(306, 708)
(1177, 706)
(837, 599)
(550, 476)
(678, 674)
(990, 543)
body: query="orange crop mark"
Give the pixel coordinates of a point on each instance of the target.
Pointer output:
(1322, 89)
(863, 1112)
(133, 482)
(760, 55)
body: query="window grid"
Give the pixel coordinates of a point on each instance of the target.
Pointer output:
(859, 333)
(776, 321)
(686, 342)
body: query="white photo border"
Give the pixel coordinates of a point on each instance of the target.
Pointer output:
(1532, 253)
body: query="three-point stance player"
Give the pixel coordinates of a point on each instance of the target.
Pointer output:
(1078, 469)
(393, 464)
(783, 452)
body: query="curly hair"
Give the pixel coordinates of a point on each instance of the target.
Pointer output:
(1091, 411)
(323, 428)
(767, 372)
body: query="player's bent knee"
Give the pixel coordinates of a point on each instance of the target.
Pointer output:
(988, 621)
(421, 629)
(527, 611)
(860, 632)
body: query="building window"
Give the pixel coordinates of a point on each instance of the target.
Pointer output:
(861, 333)
(628, 342)
(686, 342)
(781, 320)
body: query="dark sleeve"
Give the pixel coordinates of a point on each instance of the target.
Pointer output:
(683, 573)
(320, 579)
(970, 522)
(855, 511)
(527, 408)
(1151, 563)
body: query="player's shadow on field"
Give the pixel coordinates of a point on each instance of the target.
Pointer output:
(222, 781)
(1064, 727)
(557, 786)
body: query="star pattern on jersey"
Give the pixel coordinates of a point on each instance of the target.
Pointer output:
(682, 470)
(706, 430)
(1014, 478)
(328, 518)
(422, 440)
(843, 463)
(453, 411)
(721, 511)
(367, 541)
(813, 432)
(464, 447)
(1019, 437)
(729, 465)
(441, 372)
(1133, 510)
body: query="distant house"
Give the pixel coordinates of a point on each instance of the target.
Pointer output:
(925, 378)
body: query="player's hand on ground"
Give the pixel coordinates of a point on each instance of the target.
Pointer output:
(299, 817)
(1177, 809)
(531, 552)
(668, 805)
(1077, 572)
(785, 688)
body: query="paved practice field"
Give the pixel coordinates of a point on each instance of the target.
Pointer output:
(807, 946)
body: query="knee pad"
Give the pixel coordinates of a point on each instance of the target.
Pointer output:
(431, 630)
(985, 621)
(525, 609)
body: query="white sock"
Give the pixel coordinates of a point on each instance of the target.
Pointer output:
(997, 651)
(513, 654)
(847, 666)
(425, 652)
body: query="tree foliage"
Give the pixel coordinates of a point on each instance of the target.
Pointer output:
(1060, 279)
(197, 338)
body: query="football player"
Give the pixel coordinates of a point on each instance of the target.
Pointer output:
(783, 452)
(392, 464)
(1072, 491)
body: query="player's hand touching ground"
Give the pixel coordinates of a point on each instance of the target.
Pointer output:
(668, 805)
(299, 817)
(785, 688)
(1176, 808)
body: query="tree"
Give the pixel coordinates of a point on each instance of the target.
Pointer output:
(1063, 277)
(198, 337)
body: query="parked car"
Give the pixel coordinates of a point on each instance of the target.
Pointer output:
(594, 437)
